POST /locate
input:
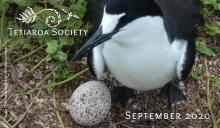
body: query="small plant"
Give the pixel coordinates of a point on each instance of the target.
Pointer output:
(203, 49)
(196, 74)
(43, 15)
(216, 81)
(35, 15)
(210, 8)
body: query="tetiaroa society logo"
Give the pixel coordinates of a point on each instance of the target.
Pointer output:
(52, 21)
(29, 16)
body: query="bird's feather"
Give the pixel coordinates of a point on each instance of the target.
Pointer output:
(180, 20)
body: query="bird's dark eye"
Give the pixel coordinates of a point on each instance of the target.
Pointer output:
(124, 20)
(125, 17)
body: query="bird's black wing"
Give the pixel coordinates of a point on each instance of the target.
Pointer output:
(180, 19)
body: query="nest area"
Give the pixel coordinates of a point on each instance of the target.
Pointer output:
(38, 89)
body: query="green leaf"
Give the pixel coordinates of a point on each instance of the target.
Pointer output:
(216, 81)
(62, 74)
(27, 45)
(52, 47)
(14, 41)
(61, 56)
(206, 13)
(24, 2)
(4, 1)
(48, 58)
(195, 74)
(65, 41)
(50, 87)
(217, 6)
(79, 8)
(4, 5)
(56, 2)
(203, 49)
(212, 29)
(39, 25)
(209, 2)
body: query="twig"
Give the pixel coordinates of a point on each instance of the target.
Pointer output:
(37, 65)
(6, 89)
(172, 122)
(142, 126)
(59, 83)
(22, 57)
(208, 93)
(72, 78)
(41, 83)
(27, 55)
(9, 50)
(118, 123)
(6, 122)
(14, 78)
(45, 3)
(57, 112)
(2, 27)
(126, 126)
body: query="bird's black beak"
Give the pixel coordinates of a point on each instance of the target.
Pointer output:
(95, 40)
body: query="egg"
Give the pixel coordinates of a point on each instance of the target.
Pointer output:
(90, 103)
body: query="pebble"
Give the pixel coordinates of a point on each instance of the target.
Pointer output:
(198, 111)
(135, 107)
(20, 69)
(133, 121)
(181, 84)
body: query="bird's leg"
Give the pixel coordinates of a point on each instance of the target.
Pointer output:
(172, 93)
(121, 94)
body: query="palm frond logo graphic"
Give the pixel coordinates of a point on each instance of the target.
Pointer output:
(29, 16)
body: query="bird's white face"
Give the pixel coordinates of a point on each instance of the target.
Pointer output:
(117, 14)
(110, 21)
(107, 29)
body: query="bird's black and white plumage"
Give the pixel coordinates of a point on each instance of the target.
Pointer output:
(144, 43)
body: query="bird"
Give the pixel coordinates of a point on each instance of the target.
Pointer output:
(145, 44)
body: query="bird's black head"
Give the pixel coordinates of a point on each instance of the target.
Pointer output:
(133, 9)
(179, 16)
(117, 14)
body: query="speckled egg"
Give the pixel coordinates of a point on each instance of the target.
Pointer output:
(90, 103)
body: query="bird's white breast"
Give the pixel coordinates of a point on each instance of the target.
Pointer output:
(141, 56)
